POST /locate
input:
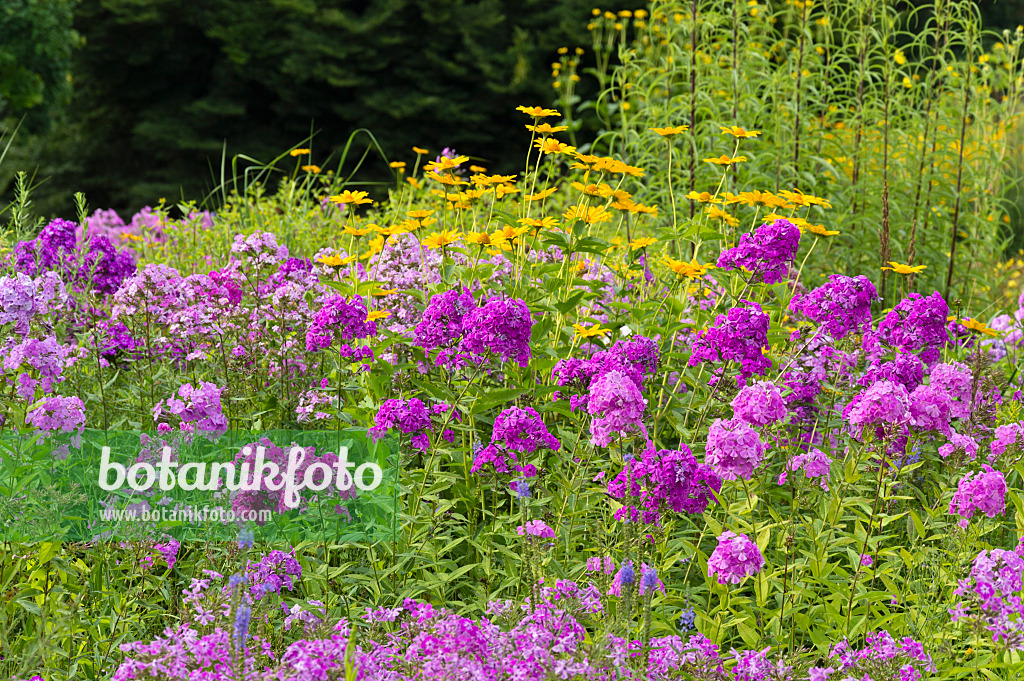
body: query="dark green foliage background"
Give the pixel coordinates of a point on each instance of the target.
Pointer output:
(36, 40)
(162, 85)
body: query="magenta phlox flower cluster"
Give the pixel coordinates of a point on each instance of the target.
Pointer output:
(500, 328)
(915, 324)
(198, 408)
(735, 558)
(754, 665)
(461, 330)
(983, 491)
(443, 321)
(759, 404)
(55, 244)
(662, 481)
(272, 496)
(734, 449)
(523, 430)
(766, 253)
(841, 306)
(94, 264)
(515, 430)
(815, 464)
(616, 406)
(339, 319)
(536, 528)
(904, 369)
(740, 335)
(545, 639)
(151, 292)
(885, 404)
(636, 357)
(410, 417)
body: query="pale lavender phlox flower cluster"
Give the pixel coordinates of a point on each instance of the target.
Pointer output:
(991, 597)
(196, 407)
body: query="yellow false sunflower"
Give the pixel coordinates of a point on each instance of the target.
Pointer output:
(377, 314)
(668, 132)
(703, 197)
(538, 112)
(588, 214)
(724, 160)
(642, 243)
(590, 332)
(738, 132)
(904, 269)
(547, 128)
(441, 239)
(352, 198)
(541, 195)
(549, 145)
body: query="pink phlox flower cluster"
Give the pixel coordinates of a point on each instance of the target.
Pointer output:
(915, 324)
(515, 430)
(23, 297)
(338, 319)
(617, 407)
(884, 404)
(958, 442)
(815, 464)
(1006, 437)
(931, 409)
(272, 572)
(883, 657)
(759, 404)
(991, 596)
(536, 528)
(980, 491)
(734, 449)
(735, 558)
